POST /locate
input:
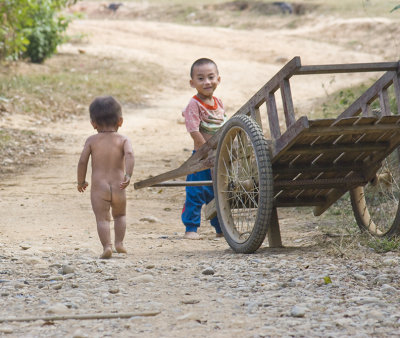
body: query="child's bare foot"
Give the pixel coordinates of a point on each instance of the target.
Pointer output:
(120, 248)
(107, 253)
(191, 235)
(219, 235)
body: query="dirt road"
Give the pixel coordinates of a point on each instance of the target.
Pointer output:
(49, 246)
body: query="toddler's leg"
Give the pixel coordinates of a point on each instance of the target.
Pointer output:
(101, 209)
(119, 214)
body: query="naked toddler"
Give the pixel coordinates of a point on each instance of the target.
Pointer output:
(112, 167)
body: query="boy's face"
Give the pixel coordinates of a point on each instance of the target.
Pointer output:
(205, 79)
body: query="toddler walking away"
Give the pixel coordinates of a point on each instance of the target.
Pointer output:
(112, 167)
(204, 116)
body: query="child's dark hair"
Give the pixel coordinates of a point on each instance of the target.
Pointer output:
(200, 62)
(105, 111)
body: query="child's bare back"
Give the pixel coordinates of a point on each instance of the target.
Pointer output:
(112, 166)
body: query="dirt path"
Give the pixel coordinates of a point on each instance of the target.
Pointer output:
(198, 287)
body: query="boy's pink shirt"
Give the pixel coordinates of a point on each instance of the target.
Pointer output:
(197, 111)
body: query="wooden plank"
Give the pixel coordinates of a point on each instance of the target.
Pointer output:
(256, 116)
(353, 129)
(273, 119)
(183, 184)
(289, 136)
(365, 110)
(338, 148)
(202, 159)
(285, 202)
(396, 84)
(287, 101)
(384, 102)
(333, 196)
(325, 183)
(317, 168)
(210, 210)
(369, 95)
(274, 233)
(348, 68)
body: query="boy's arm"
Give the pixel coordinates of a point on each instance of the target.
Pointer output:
(198, 139)
(82, 167)
(129, 163)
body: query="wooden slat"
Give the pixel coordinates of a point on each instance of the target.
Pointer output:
(348, 68)
(287, 139)
(299, 202)
(287, 101)
(384, 102)
(310, 168)
(320, 183)
(273, 119)
(353, 129)
(183, 184)
(396, 84)
(337, 148)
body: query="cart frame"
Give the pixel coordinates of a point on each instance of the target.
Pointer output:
(352, 146)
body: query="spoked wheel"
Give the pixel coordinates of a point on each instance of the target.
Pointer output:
(243, 184)
(376, 206)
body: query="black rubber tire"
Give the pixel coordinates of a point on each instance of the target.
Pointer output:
(376, 206)
(243, 184)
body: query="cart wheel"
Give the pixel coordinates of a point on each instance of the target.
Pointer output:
(243, 184)
(376, 206)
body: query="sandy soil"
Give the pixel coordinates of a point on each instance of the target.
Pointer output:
(45, 215)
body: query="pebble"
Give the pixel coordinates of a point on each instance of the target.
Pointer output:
(113, 290)
(6, 329)
(208, 271)
(67, 269)
(143, 279)
(298, 311)
(57, 308)
(150, 219)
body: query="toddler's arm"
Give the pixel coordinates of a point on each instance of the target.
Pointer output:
(82, 167)
(129, 163)
(198, 139)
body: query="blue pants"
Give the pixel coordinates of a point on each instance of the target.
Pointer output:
(195, 198)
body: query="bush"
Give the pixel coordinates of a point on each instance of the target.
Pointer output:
(31, 29)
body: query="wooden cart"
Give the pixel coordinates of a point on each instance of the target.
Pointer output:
(312, 163)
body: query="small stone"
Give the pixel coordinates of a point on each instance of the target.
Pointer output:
(190, 301)
(298, 311)
(375, 314)
(208, 271)
(79, 334)
(150, 266)
(66, 269)
(6, 329)
(150, 219)
(57, 308)
(388, 289)
(25, 246)
(143, 279)
(58, 286)
(113, 290)
(390, 262)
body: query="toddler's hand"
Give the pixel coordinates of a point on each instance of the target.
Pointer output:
(125, 183)
(82, 186)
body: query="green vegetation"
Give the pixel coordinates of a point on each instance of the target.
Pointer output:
(382, 245)
(336, 103)
(31, 29)
(66, 84)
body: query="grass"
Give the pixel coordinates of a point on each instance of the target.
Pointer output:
(66, 84)
(336, 103)
(344, 8)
